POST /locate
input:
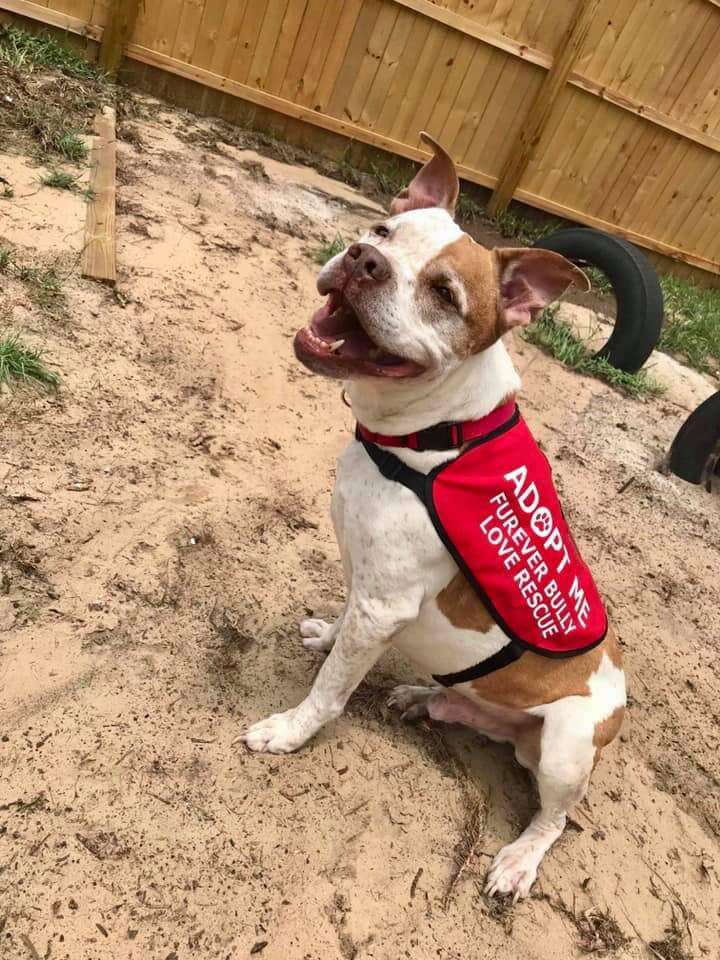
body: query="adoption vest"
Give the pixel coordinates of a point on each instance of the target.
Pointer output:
(495, 508)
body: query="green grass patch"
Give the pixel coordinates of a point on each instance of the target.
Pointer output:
(468, 209)
(327, 251)
(515, 227)
(69, 145)
(559, 340)
(44, 284)
(23, 51)
(389, 177)
(692, 323)
(19, 363)
(600, 283)
(50, 93)
(59, 180)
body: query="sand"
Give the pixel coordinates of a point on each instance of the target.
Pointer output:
(165, 524)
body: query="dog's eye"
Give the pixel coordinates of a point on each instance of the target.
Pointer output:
(445, 293)
(380, 230)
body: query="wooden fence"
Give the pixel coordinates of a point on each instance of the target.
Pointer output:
(606, 112)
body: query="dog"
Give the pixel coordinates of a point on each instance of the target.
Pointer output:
(413, 323)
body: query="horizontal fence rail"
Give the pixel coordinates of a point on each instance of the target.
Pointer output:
(606, 112)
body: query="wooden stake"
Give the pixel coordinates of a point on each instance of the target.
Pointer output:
(98, 258)
(541, 108)
(118, 31)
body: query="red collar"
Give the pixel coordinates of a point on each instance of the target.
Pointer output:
(443, 436)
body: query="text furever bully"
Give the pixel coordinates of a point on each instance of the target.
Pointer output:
(537, 558)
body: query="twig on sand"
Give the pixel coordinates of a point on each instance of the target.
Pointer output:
(30, 946)
(472, 832)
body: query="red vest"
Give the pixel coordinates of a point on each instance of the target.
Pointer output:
(496, 510)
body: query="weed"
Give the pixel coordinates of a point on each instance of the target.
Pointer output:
(468, 209)
(45, 284)
(69, 145)
(671, 946)
(328, 250)
(558, 339)
(50, 93)
(515, 227)
(692, 323)
(389, 178)
(345, 170)
(22, 51)
(59, 180)
(599, 282)
(20, 362)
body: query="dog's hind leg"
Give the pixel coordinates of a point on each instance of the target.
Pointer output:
(412, 700)
(565, 762)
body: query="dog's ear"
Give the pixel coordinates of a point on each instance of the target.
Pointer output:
(435, 185)
(529, 280)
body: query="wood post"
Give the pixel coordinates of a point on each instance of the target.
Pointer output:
(541, 107)
(98, 256)
(118, 31)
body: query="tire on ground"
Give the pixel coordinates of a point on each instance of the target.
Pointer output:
(697, 440)
(635, 285)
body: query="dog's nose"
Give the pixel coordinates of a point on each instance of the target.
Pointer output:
(362, 261)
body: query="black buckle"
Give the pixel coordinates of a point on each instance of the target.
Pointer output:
(439, 437)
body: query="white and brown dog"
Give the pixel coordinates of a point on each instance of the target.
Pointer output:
(413, 323)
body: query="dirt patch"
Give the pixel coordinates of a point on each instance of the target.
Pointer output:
(165, 525)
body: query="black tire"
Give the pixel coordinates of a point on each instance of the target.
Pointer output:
(696, 441)
(640, 306)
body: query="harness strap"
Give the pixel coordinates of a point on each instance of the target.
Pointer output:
(503, 658)
(392, 468)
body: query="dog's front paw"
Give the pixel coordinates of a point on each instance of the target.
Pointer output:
(514, 870)
(280, 733)
(316, 634)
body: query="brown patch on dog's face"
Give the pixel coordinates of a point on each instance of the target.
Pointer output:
(458, 291)
(462, 606)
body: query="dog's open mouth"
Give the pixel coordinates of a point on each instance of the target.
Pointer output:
(336, 344)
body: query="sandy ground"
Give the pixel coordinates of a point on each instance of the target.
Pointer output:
(165, 525)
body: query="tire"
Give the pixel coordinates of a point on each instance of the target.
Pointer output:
(640, 306)
(696, 441)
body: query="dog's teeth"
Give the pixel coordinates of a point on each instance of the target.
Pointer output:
(336, 346)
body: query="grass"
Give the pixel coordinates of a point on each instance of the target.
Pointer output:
(19, 362)
(600, 283)
(692, 323)
(558, 339)
(44, 284)
(50, 93)
(23, 51)
(515, 227)
(327, 251)
(59, 180)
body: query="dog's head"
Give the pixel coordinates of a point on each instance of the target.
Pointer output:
(417, 296)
